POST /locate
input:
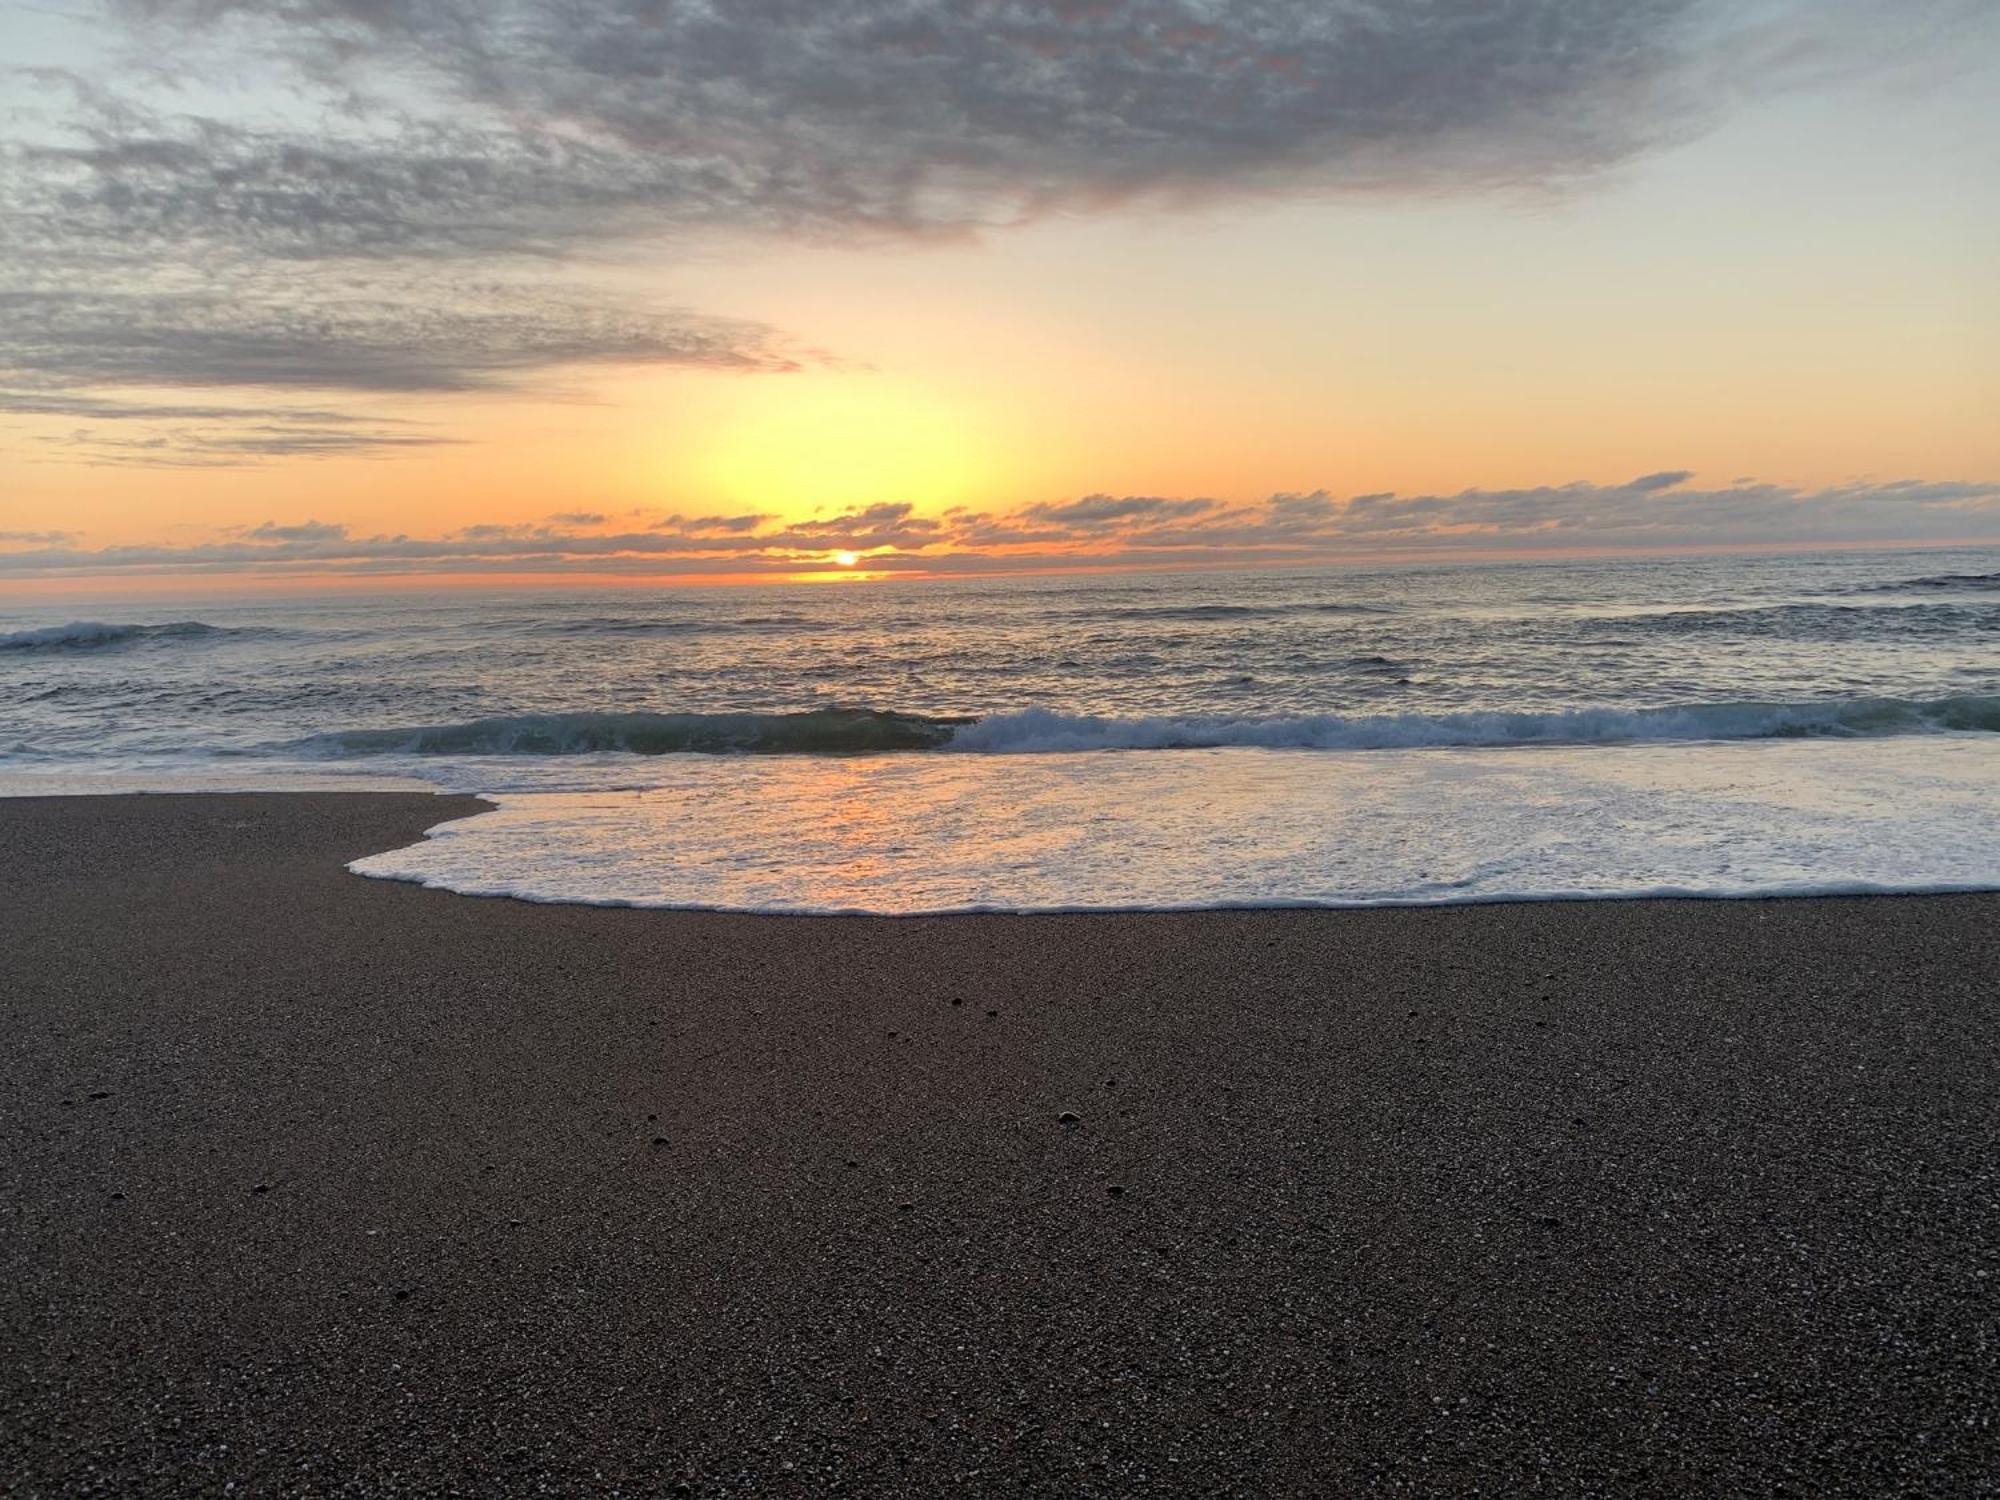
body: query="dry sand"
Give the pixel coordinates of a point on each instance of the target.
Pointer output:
(315, 1184)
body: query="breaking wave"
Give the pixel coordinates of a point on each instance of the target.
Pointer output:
(1040, 730)
(83, 635)
(1044, 731)
(827, 731)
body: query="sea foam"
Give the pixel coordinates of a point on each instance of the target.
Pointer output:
(908, 834)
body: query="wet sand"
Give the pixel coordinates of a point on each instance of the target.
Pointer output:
(320, 1185)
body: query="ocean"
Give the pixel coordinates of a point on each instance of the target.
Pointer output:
(1717, 726)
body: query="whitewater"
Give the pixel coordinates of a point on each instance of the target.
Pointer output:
(1733, 726)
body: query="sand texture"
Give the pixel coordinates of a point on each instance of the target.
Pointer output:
(319, 1185)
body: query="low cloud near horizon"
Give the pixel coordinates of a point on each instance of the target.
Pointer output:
(1654, 511)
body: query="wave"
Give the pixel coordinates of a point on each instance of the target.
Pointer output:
(1045, 731)
(621, 626)
(1823, 620)
(1200, 612)
(1952, 582)
(93, 634)
(828, 731)
(1039, 730)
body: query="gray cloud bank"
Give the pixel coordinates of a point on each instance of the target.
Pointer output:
(917, 114)
(419, 218)
(1660, 511)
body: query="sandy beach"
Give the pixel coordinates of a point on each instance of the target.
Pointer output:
(321, 1185)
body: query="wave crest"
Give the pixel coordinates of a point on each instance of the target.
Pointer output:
(828, 731)
(1045, 731)
(1822, 621)
(92, 634)
(1039, 730)
(1955, 582)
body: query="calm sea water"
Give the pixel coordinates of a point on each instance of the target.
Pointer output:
(1720, 726)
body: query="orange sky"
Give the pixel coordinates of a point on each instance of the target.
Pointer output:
(1801, 295)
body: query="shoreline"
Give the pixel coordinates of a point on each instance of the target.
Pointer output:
(489, 802)
(323, 1182)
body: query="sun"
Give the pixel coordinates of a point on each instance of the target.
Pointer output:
(846, 559)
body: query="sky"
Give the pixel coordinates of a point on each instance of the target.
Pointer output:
(546, 289)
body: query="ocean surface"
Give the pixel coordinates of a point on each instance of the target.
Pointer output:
(1712, 726)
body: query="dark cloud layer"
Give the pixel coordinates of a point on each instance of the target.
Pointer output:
(268, 338)
(938, 114)
(913, 114)
(1656, 510)
(418, 218)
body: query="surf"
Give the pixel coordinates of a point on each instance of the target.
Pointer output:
(1031, 731)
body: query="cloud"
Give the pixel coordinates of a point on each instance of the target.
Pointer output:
(302, 531)
(883, 525)
(100, 409)
(173, 253)
(919, 115)
(413, 336)
(749, 522)
(1103, 530)
(38, 538)
(417, 198)
(1666, 479)
(1095, 511)
(233, 445)
(578, 518)
(206, 435)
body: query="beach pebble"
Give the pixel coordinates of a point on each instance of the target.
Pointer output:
(1069, 1117)
(1116, 1190)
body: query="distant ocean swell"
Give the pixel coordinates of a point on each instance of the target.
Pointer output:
(1037, 730)
(1952, 582)
(87, 635)
(1822, 621)
(1943, 617)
